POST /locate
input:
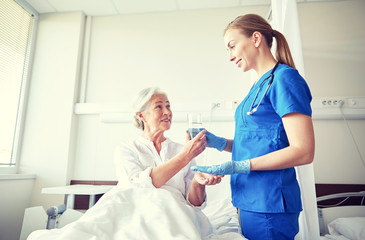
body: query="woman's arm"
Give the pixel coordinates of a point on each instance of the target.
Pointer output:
(163, 173)
(197, 190)
(300, 133)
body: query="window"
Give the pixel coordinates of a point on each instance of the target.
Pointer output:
(16, 27)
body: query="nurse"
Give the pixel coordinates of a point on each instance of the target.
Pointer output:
(273, 133)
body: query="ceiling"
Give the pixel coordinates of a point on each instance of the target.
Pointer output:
(116, 7)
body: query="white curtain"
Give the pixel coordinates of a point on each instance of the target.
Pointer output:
(285, 20)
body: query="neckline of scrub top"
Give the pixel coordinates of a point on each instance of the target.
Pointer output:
(265, 75)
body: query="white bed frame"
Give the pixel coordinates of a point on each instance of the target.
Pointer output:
(328, 214)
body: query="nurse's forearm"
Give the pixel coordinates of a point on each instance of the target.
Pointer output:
(285, 158)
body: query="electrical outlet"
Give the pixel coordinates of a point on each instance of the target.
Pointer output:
(332, 102)
(216, 105)
(224, 105)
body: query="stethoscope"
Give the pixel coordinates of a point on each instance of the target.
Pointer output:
(251, 111)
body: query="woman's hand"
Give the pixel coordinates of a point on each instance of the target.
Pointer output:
(195, 146)
(197, 192)
(207, 179)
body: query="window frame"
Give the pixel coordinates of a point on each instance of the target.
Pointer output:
(14, 161)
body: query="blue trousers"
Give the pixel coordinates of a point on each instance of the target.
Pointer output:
(269, 226)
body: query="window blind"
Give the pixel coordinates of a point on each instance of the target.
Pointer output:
(15, 31)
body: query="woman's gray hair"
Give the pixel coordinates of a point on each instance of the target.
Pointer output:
(140, 103)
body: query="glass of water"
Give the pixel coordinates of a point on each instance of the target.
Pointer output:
(195, 124)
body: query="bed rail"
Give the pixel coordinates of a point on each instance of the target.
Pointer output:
(329, 195)
(341, 195)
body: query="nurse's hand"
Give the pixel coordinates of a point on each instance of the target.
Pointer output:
(227, 168)
(207, 179)
(213, 141)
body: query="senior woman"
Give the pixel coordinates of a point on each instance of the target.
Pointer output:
(152, 160)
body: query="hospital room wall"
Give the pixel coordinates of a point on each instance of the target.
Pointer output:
(49, 133)
(334, 60)
(183, 53)
(49, 123)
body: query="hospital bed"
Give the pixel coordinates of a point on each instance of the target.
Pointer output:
(116, 207)
(342, 212)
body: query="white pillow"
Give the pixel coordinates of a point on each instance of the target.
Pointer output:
(350, 227)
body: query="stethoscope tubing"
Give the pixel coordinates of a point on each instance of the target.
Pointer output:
(251, 111)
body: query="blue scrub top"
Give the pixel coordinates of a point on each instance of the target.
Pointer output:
(263, 132)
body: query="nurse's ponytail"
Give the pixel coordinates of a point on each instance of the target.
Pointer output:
(283, 54)
(251, 23)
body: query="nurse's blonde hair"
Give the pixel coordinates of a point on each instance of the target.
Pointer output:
(250, 23)
(140, 104)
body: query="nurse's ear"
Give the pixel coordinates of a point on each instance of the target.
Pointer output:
(257, 38)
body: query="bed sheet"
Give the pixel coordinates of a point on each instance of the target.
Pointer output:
(149, 213)
(346, 228)
(224, 219)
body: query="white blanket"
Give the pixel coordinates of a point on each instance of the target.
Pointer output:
(143, 213)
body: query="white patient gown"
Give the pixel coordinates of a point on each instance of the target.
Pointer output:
(134, 162)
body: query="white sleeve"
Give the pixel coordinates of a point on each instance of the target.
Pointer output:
(130, 169)
(189, 177)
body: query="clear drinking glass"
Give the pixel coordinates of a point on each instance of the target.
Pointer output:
(195, 124)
